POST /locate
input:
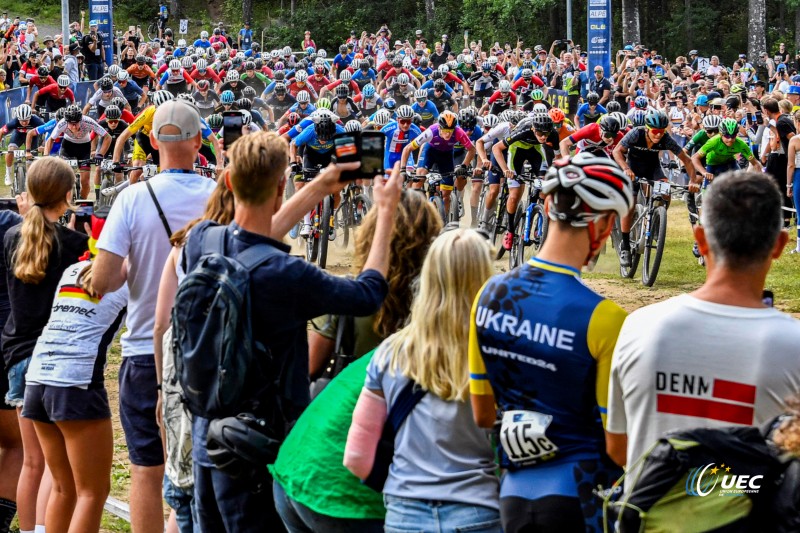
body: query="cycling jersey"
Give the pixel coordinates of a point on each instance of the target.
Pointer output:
(173, 78)
(590, 139)
(207, 74)
(296, 87)
(143, 121)
(19, 132)
(428, 113)
(310, 108)
(308, 138)
(644, 160)
(46, 129)
(587, 116)
(443, 101)
(131, 91)
(476, 134)
(40, 82)
(294, 131)
(499, 102)
(698, 140)
(432, 138)
(279, 107)
(396, 140)
(99, 98)
(483, 81)
(345, 108)
(115, 133)
(49, 97)
(318, 83)
(84, 133)
(367, 105)
(718, 153)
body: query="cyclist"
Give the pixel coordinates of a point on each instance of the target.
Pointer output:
(41, 80)
(561, 124)
(102, 97)
(319, 80)
(468, 120)
(141, 127)
(175, 79)
(503, 98)
(540, 353)
(398, 134)
(440, 140)
(133, 94)
(203, 72)
(141, 73)
(364, 75)
(344, 106)
(115, 127)
(599, 137)
(638, 155)
(721, 150)
(710, 128)
(279, 102)
(253, 78)
(425, 108)
(300, 84)
(233, 83)
(535, 101)
(56, 96)
(302, 107)
(77, 131)
(497, 128)
(346, 79)
(205, 99)
(483, 82)
(591, 110)
(45, 129)
(24, 120)
(368, 101)
(442, 99)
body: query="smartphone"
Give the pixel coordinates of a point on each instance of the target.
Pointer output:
(83, 214)
(673, 104)
(768, 298)
(232, 122)
(9, 204)
(366, 147)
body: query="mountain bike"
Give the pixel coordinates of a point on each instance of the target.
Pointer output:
(109, 194)
(321, 220)
(351, 211)
(532, 223)
(19, 171)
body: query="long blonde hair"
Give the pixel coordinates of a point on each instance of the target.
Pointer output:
(49, 180)
(432, 348)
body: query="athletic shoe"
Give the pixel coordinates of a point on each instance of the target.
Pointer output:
(695, 250)
(795, 251)
(306, 231)
(508, 240)
(625, 258)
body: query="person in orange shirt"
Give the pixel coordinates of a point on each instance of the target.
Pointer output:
(561, 123)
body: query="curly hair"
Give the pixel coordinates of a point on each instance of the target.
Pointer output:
(787, 436)
(416, 226)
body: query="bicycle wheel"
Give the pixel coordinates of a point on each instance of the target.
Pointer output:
(152, 30)
(288, 192)
(343, 220)
(439, 205)
(100, 200)
(481, 203)
(455, 211)
(312, 243)
(517, 254)
(500, 225)
(636, 235)
(19, 181)
(324, 229)
(654, 245)
(540, 222)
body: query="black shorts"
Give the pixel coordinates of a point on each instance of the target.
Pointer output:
(573, 101)
(80, 151)
(138, 395)
(48, 404)
(18, 139)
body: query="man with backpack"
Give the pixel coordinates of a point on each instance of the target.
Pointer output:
(720, 356)
(134, 246)
(237, 430)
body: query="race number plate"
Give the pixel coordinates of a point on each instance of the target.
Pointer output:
(148, 171)
(73, 163)
(106, 164)
(523, 436)
(19, 153)
(661, 187)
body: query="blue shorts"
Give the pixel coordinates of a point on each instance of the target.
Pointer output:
(442, 161)
(16, 383)
(138, 395)
(389, 159)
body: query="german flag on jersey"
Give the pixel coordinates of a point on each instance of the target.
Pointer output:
(76, 291)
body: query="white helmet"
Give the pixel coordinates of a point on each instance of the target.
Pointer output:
(175, 64)
(444, 69)
(303, 97)
(345, 75)
(63, 80)
(492, 60)
(490, 121)
(181, 43)
(275, 54)
(407, 63)
(202, 64)
(322, 53)
(504, 86)
(402, 79)
(539, 108)
(712, 122)
(352, 125)
(187, 62)
(247, 118)
(122, 76)
(204, 34)
(382, 117)
(421, 93)
(162, 97)
(301, 75)
(114, 70)
(23, 112)
(622, 118)
(404, 111)
(232, 75)
(287, 50)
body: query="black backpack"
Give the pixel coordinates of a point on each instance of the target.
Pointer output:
(217, 359)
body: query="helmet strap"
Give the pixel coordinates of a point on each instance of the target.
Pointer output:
(595, 242)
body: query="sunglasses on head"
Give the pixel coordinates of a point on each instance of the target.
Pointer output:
(656, 131)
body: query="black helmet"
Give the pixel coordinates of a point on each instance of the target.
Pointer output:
(397, 62)
(119, 101)
(106, 84)
(342, 91)
(241, 446)
(73, 114)
(113, 112)
(244, 103)
(280, 88)
(168, 32)
(733, 102)
(42, 72)
(467, 118)
(439, 85)
(141, 59)
(214, 121)
(325, 128)
(249, 92)
(249, 65)
(612, 106)
(542, 122)
(609, 124)
(593, 98)
(343, 49)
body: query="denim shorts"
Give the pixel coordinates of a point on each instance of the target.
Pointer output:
(138, 395)
(183, 504)
(405, 515)
(16, 383)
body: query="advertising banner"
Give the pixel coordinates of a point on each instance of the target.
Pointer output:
(598, 42)
(102, 12)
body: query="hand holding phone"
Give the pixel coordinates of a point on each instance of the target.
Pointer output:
(232, 123)
(364, 147)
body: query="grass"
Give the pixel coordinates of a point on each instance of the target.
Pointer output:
(48, 13)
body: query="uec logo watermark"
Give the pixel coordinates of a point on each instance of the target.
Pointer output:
(703, 480)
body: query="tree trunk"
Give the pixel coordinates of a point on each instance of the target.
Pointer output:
(688, 20)
(247, 11)
(781, 18)
(430, 10)
(756, 29)
(175, 8)
(796, 35)
(292, 5)
(630, 22)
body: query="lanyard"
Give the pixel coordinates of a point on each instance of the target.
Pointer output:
(177, 171)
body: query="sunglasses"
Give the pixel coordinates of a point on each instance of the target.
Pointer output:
(716, 107)
(539, 132)
(711, 133)
(609, 135)
(656, 131)
(728, 135)
(404, 121)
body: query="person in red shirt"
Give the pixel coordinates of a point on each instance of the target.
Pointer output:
(202, 72)
(598, 138)
(354, 89)
(41, 80)
(54, 96)
(308, 41)
(319, 80)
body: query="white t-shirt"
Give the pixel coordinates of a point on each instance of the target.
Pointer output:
(134, 229)
(686, 363)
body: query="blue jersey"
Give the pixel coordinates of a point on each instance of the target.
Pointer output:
(429, 85)
(310, 108)
(308, 137)
(47, 128)
(361, 75)
(200, 43)
(396, 141)
(583, 112)
(131, 91)
(428, 112)
(299, 127)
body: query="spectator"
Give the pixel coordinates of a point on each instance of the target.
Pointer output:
(782, 130)
(93, 51)
(134, 230)
(308, 42)
(245, 38)
(286, 292)
(731, 348)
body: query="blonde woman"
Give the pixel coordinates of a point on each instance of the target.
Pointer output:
(442, 477)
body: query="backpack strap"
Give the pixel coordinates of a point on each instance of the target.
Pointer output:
(344, 335)
(215, 240)
(408, 398)
(161, 214)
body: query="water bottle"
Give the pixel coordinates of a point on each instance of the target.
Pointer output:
(526, 232)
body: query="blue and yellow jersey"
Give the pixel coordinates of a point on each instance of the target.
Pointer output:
(541, 343)
(308, 137)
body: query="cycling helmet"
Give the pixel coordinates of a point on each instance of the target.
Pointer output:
(737, 88)
(542, 122)
(325, 128)
(227, 97)
(493, 60)
(232, 75)
(279, 66)
(352, 125)
(486, 66)
(556, 115)
(244, 104)
(436, 75)
(407, 63)
(368, 91)
(537, 94)
(301, 75)
(322, 53)
(447, 120)
(343, 49)
(397, 62)
(247, 118)
(504, 86)
(423, 62)
(417, 119)
(324, 103)
(181, 43)
(382, 117)
(106, 84)
(63, 81)
(119, 101)
(620, 117)
(402, 79)
(656, 119)
(239, 446)
(187, 63)
(490, 121)
(711, 122)
(24, 112)
(444, 69)
(280, 88)
(342, 91)
(60, 113)
(597, 181)
(187, 98)
(249, 65)
(175, 64)
(641, 102)
(204, 34)
(202, 65)
(637, 118)
(363, 65)
(527, 74)
(609, 124)
(460, 58)
(439, 85)
(389, 104)
(113, 113)
(404, 111)
(319, 68)
(509, 115)
(42, 72)
(539, 108)
(729, 126)
(292, 118)
(420, 95)
(161, 97)
(141, 59)
(303, 97)
(287, 51)
(214, 121)
(527, 64)
(113, 70)
(123, 75)
(593, 98)
(733, 102)
(203, 85)
(467, 118)
(612, 106)
(72, 114)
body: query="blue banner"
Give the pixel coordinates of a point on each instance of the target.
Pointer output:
(598, 43)
(11, 98)
(102, 12)
(558, 98)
